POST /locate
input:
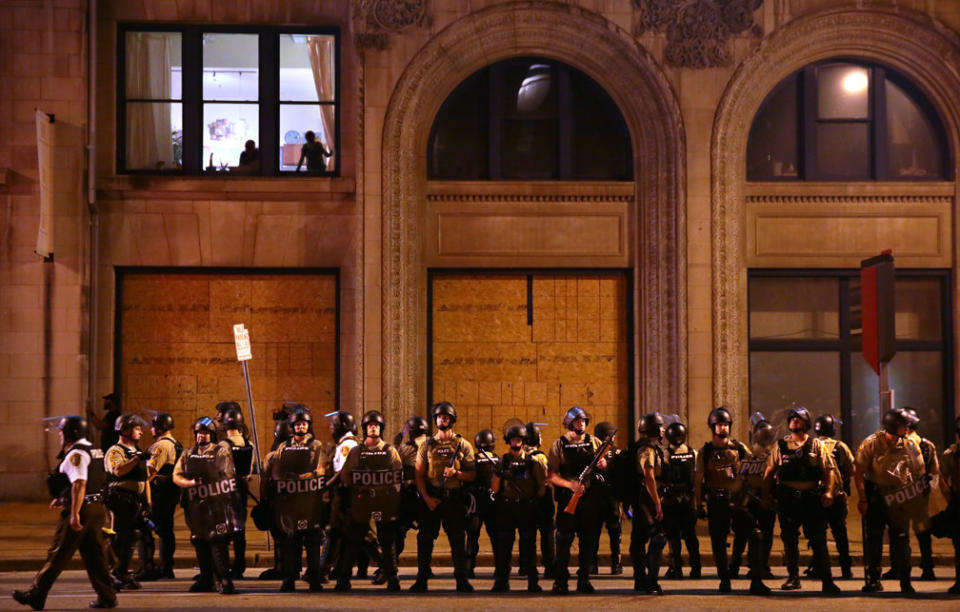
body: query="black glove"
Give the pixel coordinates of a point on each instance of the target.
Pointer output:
(145, 455)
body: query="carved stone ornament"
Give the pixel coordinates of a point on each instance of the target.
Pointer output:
(371, 40)
(392, 15)
(697, 30)
(652, 114)
(921, 49)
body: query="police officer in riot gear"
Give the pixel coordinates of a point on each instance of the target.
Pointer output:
(165, 495)
(611, 511)
(648, 537)
(415, 431)
(718, 473)
(568, 457)
(754, 516)
(236, 441)
(209, 497)
(373, 472)
(887, 462)
(546, 505)
(836, 513)
(805, 473)
(444, 463)
(126, 467)
(679, 507)
(281, 433)
(75, 487)
(950, 486)
(518, 482)
(932, 467)
(482, 492)
(343, 430)
(294, 480)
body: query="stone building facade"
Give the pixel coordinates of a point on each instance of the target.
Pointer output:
(377, 285)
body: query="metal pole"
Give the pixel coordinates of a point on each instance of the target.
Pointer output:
(886, 393)
(253, 419)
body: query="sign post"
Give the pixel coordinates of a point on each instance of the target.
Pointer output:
(241, 337)
(873, 316)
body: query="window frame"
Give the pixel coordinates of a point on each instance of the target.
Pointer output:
(269, 103)
(849, 347)
(808, 121)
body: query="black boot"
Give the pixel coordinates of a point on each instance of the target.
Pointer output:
(533, 583)
(792, 583)
(419, 585)
(30, 598)
(584, 586)
(758, 588)
(906, 588)
(500, 585)
(463, 584)
(829, 587)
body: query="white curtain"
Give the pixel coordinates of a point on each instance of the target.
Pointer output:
(149, 137)
(322, 57)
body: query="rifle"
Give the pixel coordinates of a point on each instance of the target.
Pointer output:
(453, 460)
(588, 472)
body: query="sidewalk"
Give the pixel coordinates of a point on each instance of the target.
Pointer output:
(26, 530)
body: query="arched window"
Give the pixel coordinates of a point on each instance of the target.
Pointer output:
(846, 120)
(529, 119)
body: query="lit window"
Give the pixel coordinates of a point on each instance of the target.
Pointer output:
(261, 101)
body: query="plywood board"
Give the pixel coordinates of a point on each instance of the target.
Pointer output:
(177, 349)
(495, 364)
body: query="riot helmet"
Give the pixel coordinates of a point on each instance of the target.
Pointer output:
(73, 427)
(573, 414)
(282, 432)
(514, 432)
(232, 418)
(651, 426)
(799, 412)
(914, 420)
(485, 440)
(445, 408)
(416, 426)
(207, 424)
(300, 415)
(764, 434)
(126, 422)
(676, 433)
(604, 429)
(895, 419)
(533, 434)
(719, 415)
(373, 416)
(341, 423)
(224, 407)
(162, 422)
(825, 426)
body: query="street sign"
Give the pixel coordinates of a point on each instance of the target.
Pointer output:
(241, 337)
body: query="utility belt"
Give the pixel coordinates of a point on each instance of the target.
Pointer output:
(113, 496)
(789, 492)
(93, 498)
(456, 493)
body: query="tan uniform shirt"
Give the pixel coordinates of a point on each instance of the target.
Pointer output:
(436, 454)
(843, 460)
(932, 466)
(818, 457)
(950, 470)
(162, 452)
(647, 457)
(113, 459)
(890, 464)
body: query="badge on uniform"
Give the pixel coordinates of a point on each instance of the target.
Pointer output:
(75, 459)
(345, 451)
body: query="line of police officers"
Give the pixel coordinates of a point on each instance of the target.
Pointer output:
(332, 502)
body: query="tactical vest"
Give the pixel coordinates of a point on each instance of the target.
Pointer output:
(679, 468)
(441, 455)
(375, 470)
(518, 480)
(486, 463)
(798, 465)
(167, 469)
(242, 458)
(58, 483)
(137, 474)
(576, 456)
(722, 465)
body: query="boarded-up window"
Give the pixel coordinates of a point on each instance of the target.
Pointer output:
(176, 349)
(503, 348)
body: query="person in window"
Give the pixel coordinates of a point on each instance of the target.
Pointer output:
(249, 159)
(314, 152)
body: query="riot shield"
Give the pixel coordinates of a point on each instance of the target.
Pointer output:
(210, 507)
(909, 504)
(242, 459)
(375, 485)
(297, 503)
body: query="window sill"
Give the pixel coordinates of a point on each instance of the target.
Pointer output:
(280, 188)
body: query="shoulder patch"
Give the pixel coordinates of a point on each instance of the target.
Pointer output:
(75, 459)
(345, 451)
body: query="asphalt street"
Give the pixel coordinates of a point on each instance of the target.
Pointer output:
(73, 592)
